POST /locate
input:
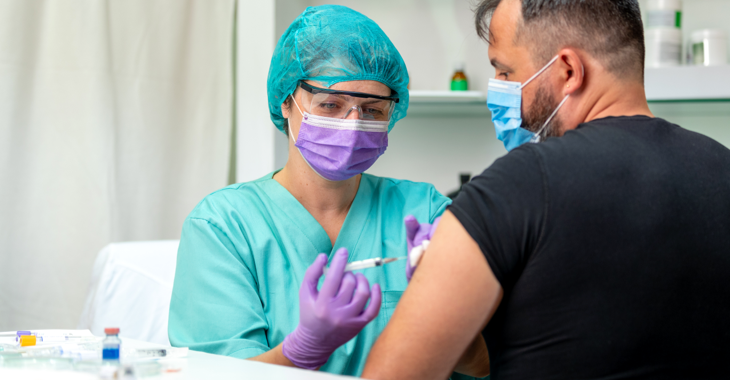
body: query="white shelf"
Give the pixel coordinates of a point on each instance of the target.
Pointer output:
(450, 97)
(448, 104)
(687, 83)
(688, 90)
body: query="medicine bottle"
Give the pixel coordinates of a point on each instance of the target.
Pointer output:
(459, 81)
(663, 13)
(110, 344)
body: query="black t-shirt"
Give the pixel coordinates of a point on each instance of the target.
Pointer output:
(612, 245)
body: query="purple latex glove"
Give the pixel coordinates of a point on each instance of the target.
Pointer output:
(416, 234)
(330, 317)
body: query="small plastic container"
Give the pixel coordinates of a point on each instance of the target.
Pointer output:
(458, 80)
(708, 47)
(111, 344)
(664, 13)
(663, 47)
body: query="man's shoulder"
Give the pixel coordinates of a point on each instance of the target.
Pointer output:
(626, 135)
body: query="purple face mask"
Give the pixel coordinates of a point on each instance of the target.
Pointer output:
(338, 149)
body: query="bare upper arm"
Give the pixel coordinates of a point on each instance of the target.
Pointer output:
(450, 298)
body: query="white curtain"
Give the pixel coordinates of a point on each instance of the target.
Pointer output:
(115, 120)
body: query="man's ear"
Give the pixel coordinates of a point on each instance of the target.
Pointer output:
(572, 71)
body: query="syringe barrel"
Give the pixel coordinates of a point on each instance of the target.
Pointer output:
(362, 264)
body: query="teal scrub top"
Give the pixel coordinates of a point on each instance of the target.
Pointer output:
(244, 250)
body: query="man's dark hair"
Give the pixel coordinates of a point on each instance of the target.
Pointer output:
(610, 30)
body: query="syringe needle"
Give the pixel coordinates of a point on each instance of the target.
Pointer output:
(392, 259)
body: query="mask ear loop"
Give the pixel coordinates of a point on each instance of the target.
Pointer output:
(538, 137)
(540, 72)
(300, 111)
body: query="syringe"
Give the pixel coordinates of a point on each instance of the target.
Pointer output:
(369, 263)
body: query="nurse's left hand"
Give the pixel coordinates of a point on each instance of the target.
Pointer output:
(418, 236)
(330, 317)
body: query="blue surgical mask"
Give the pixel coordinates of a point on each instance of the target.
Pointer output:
(504, 99)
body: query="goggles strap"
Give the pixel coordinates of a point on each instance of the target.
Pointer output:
(300, 111)
(295, 103)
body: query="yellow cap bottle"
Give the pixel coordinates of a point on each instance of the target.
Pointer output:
(27, 340)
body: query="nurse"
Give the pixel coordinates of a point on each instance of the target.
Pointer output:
(251, 255)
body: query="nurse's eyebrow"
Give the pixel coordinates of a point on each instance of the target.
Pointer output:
(374, 101)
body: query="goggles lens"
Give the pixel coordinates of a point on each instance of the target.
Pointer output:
(341, 106)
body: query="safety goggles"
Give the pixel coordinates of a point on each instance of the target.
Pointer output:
(340, 104)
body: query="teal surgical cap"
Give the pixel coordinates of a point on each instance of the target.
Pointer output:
(331, 44)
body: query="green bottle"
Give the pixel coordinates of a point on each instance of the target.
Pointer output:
(459, 81)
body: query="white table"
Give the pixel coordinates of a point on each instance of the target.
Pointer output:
(202, 365)
(197, 365)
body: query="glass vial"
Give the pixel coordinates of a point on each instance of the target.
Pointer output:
(111, 344)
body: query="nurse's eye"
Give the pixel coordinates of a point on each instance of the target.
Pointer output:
(503, 74)
(329, 109)
(328, 106)
(373, 111)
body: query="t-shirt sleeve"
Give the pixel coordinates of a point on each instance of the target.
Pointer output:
(215, 305)
(438, 204)
(503, 210)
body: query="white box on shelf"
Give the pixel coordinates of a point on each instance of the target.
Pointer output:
(687, 83)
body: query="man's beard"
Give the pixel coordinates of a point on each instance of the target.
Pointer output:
(542, 107)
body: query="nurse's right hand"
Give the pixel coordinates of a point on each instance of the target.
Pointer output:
(330, 317)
